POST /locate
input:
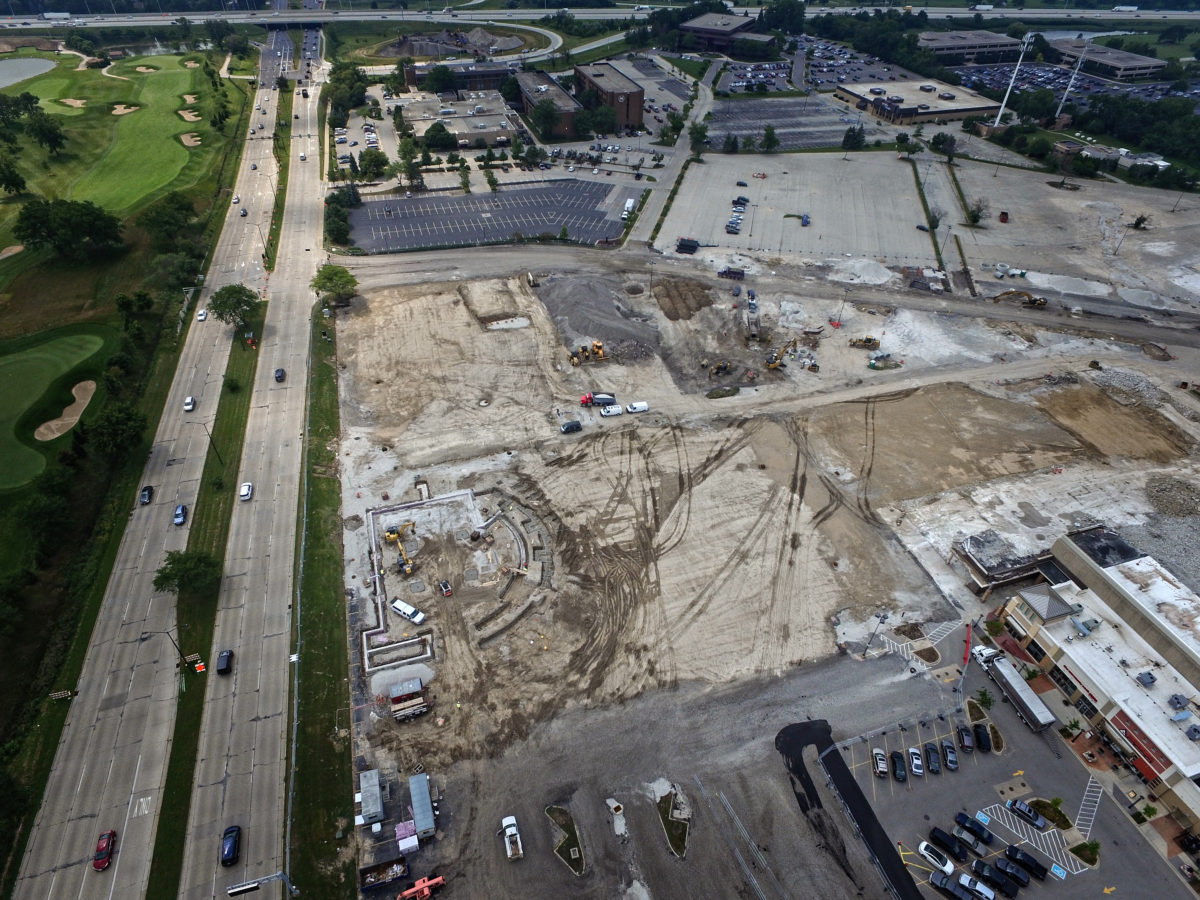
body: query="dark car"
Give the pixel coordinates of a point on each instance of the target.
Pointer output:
(280, 375)
(106, 846)
(922, 228)
(224, 662)
(1026, 861)
(1012, 870)
(974, 826)
(983, 740)
(243, 213)
(949, 886)
(146, 495)
(965, 741)
(933, 764)
(231, 845)
(180, 517)
(742, 184)
(899, 772)
(949, 843)
(571, 427)
(949, 756)
(1023, 810)
(991, 875)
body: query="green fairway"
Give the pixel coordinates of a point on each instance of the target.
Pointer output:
(25, 377)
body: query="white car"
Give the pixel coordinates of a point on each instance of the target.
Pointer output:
(595, 171)
(189, 404)
(914, 762)
(980, 890)
(237, 199)
(247, 490)
(611, 410)
(935, 857)
(201, 315)
(570, 168)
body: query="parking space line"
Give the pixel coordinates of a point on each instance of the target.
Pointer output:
(1050, 843)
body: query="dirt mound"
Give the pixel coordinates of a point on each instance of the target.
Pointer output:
(591, 308)
(1172, 496)
(1111, 429)
(681, 298)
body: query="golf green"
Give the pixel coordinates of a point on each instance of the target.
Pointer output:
(24, 378)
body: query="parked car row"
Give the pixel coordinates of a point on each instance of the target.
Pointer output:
(933, 759)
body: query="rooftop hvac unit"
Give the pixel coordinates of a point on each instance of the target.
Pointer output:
(1193, 732)
(1182, 716)
(1178, 701)
(1083, 630)
(1146, 679)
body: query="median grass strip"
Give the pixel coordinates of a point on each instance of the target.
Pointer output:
(676, 829)
(281, 147)
(196, 617)
(569, 849)
(322, 811)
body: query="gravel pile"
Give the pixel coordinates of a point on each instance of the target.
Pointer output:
(1129, 388)
(1172, 541)
(1172, 496)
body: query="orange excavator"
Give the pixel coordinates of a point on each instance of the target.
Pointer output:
(423, 888)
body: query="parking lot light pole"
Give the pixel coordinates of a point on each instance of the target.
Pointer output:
(881, 617)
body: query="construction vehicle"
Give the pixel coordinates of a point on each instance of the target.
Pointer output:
(593, 399)
(396, 535)
(732, 273)
(883, 361)
(1027, 299)
(719, 369)
(512, 838)
(423, 888)
(594, 353)
(396, 532)
(865, 343)
(775, 360)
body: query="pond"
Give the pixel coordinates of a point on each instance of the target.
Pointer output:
(14, 70)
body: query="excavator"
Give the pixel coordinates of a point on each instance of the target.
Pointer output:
(1027, 299)
(865, 343)
(775, 360)
(719, 369)
(594, 353)
(395, 535)
(423, 888)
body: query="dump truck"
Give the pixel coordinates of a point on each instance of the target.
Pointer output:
(732, 273)
(591, 399)
(1024, 699)
(382, 874)
(512, 837)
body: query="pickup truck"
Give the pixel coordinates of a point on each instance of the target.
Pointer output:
(512, 838)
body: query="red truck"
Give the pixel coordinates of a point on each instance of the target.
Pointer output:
(598, 400)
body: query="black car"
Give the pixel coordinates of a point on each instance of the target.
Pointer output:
(571, 427)
(225, 662)
(949, 843)
(993, 876)
(983, 740)
(899, 771)
(965, 741)
(231, 845)
(948, 885)
(933, 764)
(1031, 865)
(974, 826)
(146, 495)
(280, 375)
(1012, 870)
(180, 517)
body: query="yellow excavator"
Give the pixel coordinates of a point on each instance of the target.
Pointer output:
(1026, 298)
(395, 535)
(775, 360)
(865, 343)
(719, 369)
(594, 353)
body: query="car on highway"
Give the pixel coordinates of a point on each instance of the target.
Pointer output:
(201, 315)
(1014, 872)
(914, 762)
(236, 198)
(1024, 811)
(983, 740)
(977, 888)
(1027, 861)
(224, 662)
(965, 741)
(146, 495)
(280, 375)
(444, 587)
(231, 845)
(180, 517)
(898, 770)
(189, 403)
(253, 166)
(933, 762)
(974, 826)
(243, 213)
(992, 876)
(949, 756)
(106, 846)
(935, 857)
(247, 490)
(879, 762)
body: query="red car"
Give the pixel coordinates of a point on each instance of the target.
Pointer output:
(105, 848)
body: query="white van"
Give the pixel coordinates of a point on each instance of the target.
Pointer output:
(303, 157)
(611, 410)
(637, 407)
(414, 615)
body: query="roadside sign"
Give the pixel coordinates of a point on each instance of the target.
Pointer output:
(199, 668)
(1058, 872)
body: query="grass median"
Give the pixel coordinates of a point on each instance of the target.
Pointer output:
(322, 813)
(196, 617)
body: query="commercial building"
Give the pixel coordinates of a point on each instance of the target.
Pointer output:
(1120, 638)
(719, 31)
(909, 103)
(1102, 60)
(538, 86)
(953, 48)
(621, 94)
(470, 77)
(476, 116)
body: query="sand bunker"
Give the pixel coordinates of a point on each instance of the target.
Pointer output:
(71, 102)
(82, 392)
(191, 139)
(189, 115)
(122, 110)
(11, 251)
(189, 98)
(146, 69)
(192, 65)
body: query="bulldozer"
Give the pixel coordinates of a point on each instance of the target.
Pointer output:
(594, 353)
(775, 360)
(865, 343)
(719, 369)
(1027, 299)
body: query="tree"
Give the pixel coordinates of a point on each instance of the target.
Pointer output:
(334, 284)
(191, 573)
(11, 180)
(117, 430)
(770, 141)
(74, 228)
(944, 143)
(698, 137)
(854, 138)
(544, 117)
(372, 164)
(936, 214)
(234, 304)
(731, 143)
(985, 698)
(45, 130)
(438, 138)
(978, 210)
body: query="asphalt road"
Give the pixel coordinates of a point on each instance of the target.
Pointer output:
(241, 776)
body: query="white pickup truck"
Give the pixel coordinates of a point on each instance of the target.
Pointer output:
(512, 837)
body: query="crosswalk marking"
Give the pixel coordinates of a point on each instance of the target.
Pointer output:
(1088, 807)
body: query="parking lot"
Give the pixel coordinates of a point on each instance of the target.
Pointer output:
(799, 122)
(746, 77)
(589, 211)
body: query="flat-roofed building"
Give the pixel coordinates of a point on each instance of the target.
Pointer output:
(538, 86)
(476, 116)
(467, 77)
(718, 31)
(1108, 61)
(618, 92)
(958, 47)
(909, 103)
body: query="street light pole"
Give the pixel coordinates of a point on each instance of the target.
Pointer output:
(882, 617)
(146, 635)
(211, 443)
